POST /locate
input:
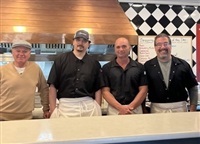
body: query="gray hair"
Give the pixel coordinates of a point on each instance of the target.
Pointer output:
(162, 35)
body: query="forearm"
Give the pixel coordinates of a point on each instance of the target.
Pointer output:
(43, 89)
(98, 97)
(52, 98)
(110, 99)
(140, 97)
(193, 95)
(44, 95)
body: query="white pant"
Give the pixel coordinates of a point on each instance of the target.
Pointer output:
(114, 111)
(76, 107)
(169, 107)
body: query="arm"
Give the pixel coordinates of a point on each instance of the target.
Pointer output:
(44, 94)
(193, 95)
(98, 97)
(52, 98)
(123, 109)
(139, 99)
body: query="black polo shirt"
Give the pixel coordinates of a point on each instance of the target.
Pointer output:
(181, 78)
(75, 78)
(124, 84)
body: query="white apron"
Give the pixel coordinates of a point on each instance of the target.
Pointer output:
(114, 111)
(169, 107)
(76, 107)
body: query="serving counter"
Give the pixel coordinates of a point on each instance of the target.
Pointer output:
(144, 128)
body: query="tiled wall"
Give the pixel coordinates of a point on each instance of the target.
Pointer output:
(152, 19)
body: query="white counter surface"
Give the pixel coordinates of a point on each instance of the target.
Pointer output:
(105, 129)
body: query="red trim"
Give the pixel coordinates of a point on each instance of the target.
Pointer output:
(198, 52)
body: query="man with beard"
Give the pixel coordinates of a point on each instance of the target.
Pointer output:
(171, 80)
(74, 80)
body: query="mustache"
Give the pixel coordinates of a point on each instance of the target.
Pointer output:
(163, 50)
(81, 46)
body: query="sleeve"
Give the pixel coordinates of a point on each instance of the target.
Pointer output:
(44, 91)
(99, 80)
(54, 75)
(190, 78)
(105, 76)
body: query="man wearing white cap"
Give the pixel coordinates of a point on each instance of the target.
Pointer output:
(75, 81)
(19, 80)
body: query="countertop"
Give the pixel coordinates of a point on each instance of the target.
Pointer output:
(103, 129)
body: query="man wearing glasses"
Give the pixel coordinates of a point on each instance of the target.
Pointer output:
(171, 80)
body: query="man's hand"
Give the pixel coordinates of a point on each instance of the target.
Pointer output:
(46, 114)
(125, 109)
(193, 108)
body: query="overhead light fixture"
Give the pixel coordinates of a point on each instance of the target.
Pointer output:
(19, 28)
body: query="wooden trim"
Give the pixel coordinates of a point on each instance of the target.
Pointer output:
(43, 19)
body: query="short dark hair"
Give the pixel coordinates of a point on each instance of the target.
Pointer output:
(162, 35)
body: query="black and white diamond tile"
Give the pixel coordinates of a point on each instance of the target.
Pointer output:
(170, 14)
(170, 28)
(157, 14)
(164, 8)
(152, 19)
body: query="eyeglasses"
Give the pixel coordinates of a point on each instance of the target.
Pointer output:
(164, 44)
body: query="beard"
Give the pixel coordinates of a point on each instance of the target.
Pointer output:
(80, 48)
(163, 53)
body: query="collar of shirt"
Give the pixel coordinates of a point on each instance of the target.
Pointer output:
(132, 63)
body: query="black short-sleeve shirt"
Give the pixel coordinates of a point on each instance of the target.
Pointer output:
(181, 78)
(124, 84)
(75, 78)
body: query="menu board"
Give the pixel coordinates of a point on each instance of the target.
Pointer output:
(181, 47)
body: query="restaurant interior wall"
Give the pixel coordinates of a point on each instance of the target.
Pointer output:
(147, 19)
